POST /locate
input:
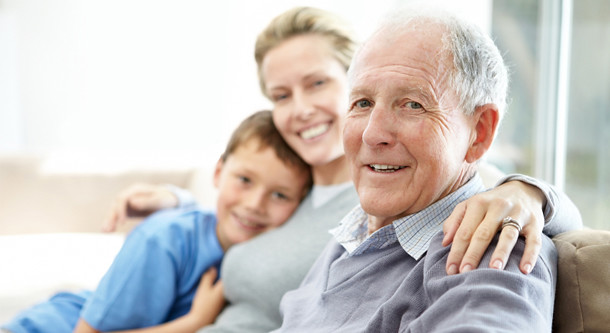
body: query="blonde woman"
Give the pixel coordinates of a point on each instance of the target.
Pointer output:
(302, 58)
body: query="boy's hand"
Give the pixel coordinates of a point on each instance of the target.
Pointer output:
(473, 224)
(83, 327)
(209, 299)
(138, 200)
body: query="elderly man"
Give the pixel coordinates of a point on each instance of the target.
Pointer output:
(427, 94)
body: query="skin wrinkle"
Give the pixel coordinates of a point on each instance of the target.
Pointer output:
(427, 100)
(434, 69)
(436, 107)
(381, 134)
(471, 92)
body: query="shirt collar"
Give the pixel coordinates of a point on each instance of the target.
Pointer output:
(413, 232)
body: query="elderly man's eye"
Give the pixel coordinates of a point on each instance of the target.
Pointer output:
(363, 104)
(414, 105)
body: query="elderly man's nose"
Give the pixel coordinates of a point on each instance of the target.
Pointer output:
(379, 129)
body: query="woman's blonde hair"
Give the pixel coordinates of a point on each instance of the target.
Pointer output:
(302, 21)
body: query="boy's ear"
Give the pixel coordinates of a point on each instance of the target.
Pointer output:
(486, 118)
(217, 172)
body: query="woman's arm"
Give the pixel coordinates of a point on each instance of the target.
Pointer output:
(533, 203)
(144, 199)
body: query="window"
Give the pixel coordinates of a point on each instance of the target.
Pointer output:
(558, 120)
(73, 84)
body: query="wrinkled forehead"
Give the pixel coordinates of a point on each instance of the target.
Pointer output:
(416, 49)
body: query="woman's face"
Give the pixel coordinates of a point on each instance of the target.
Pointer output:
(308, 88)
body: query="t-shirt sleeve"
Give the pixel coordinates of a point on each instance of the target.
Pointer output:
(139, 288)
(185, 198)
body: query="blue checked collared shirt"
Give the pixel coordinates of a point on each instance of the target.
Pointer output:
(414, 232)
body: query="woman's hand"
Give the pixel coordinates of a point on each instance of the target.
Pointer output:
(138, 200)
(208, 300)
(474, 222)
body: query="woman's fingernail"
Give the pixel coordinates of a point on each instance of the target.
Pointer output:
(466, 268)
(528, 268)
(452, 270)
(497, 264)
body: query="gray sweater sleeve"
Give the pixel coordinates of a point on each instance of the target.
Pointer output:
(488, 300)
(560, 213)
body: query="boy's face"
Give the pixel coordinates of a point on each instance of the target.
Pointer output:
(256, 192)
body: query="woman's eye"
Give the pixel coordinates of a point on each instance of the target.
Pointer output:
(244, 179)
(319, 82)
(414, 105)
(278, 98)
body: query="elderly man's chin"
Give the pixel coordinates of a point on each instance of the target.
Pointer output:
(385, 205)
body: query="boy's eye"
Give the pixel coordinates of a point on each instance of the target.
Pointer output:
(244, 179)
(319, 82)
(280, 195)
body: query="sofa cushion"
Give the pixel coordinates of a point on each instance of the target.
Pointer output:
(39, 198)
(583, 281)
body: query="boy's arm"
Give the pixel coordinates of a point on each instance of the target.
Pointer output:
(83, 327)
(186, 324)
(207, 304)
(151, 250)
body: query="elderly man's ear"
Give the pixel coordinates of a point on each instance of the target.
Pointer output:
(486, 118)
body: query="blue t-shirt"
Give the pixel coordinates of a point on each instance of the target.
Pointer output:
(152, 280)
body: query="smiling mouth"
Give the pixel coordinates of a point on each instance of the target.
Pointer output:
(314, 131)
(385, 168)
(248, 224)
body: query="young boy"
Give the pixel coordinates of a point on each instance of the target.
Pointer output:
(153, 279)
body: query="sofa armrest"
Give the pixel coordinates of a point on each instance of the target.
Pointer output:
(582, 297)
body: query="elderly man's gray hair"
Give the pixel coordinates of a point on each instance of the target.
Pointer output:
(479, 75)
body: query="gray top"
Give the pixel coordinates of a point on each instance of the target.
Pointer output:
(257, 273)
(379, 287)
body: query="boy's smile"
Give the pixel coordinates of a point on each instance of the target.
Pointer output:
(256, 192)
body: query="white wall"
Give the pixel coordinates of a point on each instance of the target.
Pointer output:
(101, 83)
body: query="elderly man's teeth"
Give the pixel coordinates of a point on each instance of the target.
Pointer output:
(314, 131)
(385, 167)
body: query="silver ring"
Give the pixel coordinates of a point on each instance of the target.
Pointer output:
(509, 221)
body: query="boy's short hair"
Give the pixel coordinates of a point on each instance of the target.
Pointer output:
(260, 126)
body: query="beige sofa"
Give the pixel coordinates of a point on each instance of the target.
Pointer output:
(50, 239)
(50, 222)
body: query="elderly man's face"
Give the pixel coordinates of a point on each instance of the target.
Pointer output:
(404, 137)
